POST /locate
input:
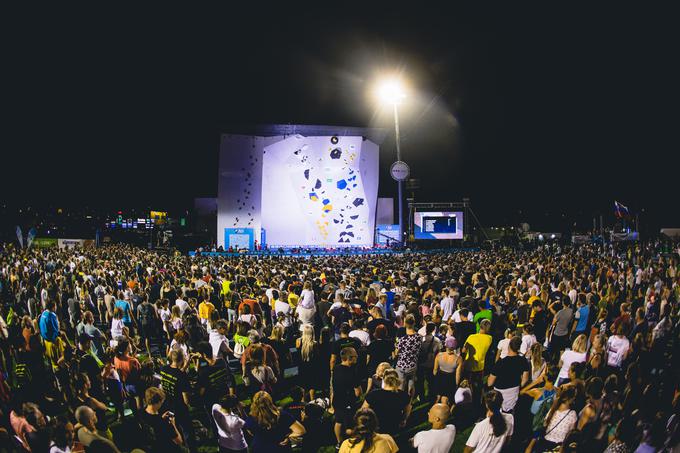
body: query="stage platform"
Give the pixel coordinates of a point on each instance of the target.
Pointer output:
(306, 253)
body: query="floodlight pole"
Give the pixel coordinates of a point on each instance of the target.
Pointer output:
(399, 183)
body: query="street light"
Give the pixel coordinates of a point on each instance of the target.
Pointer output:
(391, 92)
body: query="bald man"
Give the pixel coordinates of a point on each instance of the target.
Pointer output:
(440, 438)
(86, 429)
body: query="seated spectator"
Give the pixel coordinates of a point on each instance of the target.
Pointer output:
(492, 433)
(365, 438)
(440, 438)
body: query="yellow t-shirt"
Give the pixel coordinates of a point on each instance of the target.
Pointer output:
(205, 309)
(478, 344)
(225, 287)
(293, 300)
(382, 443)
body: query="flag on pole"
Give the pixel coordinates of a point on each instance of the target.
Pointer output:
(20, 236)
(620, 211)
(30, 237)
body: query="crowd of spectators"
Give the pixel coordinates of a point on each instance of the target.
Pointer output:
(123, 349)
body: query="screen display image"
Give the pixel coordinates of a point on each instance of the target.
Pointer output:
(438, 225)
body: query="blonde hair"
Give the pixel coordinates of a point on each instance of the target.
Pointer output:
(580, 343)
(307, 342)
(381, 368)
(277, 333)
(536, 354)
(392, 380)
(264, 411)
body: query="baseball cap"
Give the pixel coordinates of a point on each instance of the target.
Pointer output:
(450, 343)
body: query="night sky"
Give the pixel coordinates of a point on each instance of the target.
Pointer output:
(539, 116)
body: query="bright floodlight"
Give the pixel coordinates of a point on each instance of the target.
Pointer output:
(391, 91)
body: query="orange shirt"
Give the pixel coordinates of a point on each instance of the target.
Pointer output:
(127, 367)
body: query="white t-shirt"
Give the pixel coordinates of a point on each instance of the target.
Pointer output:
(447, 305)
(219, 343)
(362, 336)
(116, 328)
(307, 299)
(569, 357)
(457, 318)
(182, 304)
(435, 440)
(616, 350)
(483, 440)
(283, 307)
(503, 346)
(463, 395)
(165, 315)
(229, 429)
(527, 342)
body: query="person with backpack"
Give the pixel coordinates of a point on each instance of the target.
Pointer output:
(241, 339)
(259, 376)
(429, 348)
(148, 320)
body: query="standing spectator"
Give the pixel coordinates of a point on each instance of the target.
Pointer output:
(618, 347)
(509, 374)
(306, 308)
(408, 347)
(346, 391)
(390, 403)
(560, 421)
(309, 360)
(475, 349)
(581, 316)
(230, 425)
(576, 354)
(447, 371)
(560, 325)
(380, 350)
(271, 427)
(166, 436)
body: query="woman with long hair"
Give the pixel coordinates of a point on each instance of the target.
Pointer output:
(577, 353)
(260, 376)
(560, 421)
(365, 439)
(494, 431)
(371, 298)
(537, 361)
(309, 359)
(278, 342)
(271, 427)
(306, 307)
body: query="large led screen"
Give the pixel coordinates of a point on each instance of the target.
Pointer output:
(438, 225)
(319, 191)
